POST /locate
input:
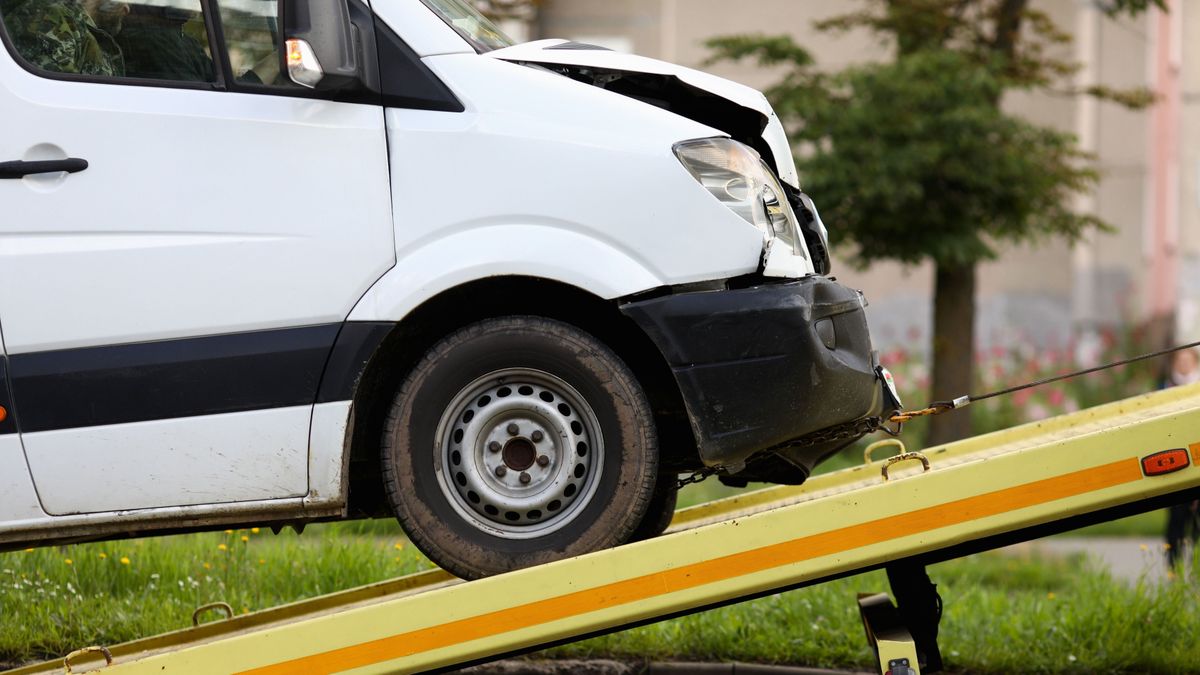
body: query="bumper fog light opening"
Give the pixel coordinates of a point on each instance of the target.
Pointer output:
(827, 333)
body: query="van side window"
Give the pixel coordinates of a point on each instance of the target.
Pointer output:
(148, 39)
(251, 29)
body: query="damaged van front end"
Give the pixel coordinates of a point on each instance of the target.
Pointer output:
(768, 363)
(765, 367)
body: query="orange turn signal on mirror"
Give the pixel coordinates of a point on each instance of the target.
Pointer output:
(1167, 461)
(3, 413)
(294, 53)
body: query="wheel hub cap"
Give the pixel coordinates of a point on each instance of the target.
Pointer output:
(521, 453)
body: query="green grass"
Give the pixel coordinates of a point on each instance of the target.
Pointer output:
(1149, 524)
(58, 599)
(1002, 614)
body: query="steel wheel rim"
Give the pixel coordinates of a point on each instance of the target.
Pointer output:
(525, 484)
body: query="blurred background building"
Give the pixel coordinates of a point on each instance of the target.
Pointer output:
(1053, 295)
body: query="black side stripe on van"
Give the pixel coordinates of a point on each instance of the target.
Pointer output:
(9, 424)
(356, 344)
(166, 379)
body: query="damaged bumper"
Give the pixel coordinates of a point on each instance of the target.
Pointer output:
(761, 366)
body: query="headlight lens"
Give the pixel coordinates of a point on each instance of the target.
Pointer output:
(736, 175)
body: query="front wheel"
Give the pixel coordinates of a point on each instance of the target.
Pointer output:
(661, 509)
(515, 442)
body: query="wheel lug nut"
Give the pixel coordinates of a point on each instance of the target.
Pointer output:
(500, 471)
(525, 477)
(513, 429)
(494, 446)
(537, 436)
(543, 460)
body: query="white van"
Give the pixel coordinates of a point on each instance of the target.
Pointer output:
(276, 262)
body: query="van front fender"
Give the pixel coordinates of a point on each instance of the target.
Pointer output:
(548, 252)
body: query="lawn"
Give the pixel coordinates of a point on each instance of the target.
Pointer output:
(62, 598)
(1002, 614)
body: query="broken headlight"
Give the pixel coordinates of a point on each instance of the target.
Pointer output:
(736, 175)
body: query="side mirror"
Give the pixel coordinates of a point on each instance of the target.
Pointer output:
(322, 46)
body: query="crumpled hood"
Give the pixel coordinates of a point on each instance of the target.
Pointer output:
(681, 90)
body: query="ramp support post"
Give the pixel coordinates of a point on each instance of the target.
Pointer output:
(894, 648)
(920, 608)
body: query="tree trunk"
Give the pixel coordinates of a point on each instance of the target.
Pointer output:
(953, 348)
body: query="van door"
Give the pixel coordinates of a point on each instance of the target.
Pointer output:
(18, 501)
(175, 270)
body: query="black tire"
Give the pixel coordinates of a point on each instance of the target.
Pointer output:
(470, 392)
(660, 510)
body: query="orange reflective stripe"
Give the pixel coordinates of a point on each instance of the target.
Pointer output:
(717, 569)
(1195, 448)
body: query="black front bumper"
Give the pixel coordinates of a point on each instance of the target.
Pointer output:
(761, 366)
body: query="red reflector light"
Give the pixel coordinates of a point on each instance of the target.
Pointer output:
(3, 414)
(1165, 462)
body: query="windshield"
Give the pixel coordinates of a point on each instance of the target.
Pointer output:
(464, 18)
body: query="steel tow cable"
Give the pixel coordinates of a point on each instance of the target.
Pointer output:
(939, 407)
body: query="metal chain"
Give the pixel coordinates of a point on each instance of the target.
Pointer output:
(697, 476)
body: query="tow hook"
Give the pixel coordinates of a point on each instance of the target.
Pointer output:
(889, 384)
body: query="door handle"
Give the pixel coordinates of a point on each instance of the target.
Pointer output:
(21, 168)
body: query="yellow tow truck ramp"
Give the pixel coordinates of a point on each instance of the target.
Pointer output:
(976, 494)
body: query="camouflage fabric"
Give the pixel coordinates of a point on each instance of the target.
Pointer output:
(59, 36)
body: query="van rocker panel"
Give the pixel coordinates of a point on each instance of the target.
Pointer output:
(760, 366)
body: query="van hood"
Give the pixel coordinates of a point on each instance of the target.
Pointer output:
(740, 111)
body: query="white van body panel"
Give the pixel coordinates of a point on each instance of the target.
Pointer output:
(543, 51)
(180, 228)
(318, 490)
(175, 462)
(328, 454)
(70, 278)
(18, 501)
(478, 193)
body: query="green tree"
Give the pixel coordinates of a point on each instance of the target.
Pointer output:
(914, 159)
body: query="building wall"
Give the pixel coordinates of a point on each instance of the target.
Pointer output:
(1045, 293)
(1189, 165)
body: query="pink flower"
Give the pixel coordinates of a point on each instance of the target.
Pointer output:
(1022, 397)
(1036, 412)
